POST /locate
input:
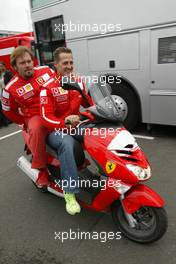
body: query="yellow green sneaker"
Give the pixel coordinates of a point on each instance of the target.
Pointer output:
(72, 206)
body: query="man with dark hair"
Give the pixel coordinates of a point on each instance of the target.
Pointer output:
(58, 106)
(21, 104)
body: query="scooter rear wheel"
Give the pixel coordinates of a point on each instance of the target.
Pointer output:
(151, 223)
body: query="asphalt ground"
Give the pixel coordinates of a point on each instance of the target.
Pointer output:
(30, 220)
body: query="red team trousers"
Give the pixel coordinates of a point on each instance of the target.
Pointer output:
(37, 142)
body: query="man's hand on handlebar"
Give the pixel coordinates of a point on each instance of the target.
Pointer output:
(72, 121)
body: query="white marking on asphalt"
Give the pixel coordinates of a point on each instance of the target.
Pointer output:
(143, 137)
(11, 134)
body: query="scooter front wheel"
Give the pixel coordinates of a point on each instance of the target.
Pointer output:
(151, 223)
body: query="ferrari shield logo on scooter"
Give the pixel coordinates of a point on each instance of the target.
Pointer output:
(110, 167)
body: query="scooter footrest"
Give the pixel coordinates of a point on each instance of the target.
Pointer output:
(89, 186)
(87, 196)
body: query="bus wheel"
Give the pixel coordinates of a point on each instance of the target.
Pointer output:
(130, 104)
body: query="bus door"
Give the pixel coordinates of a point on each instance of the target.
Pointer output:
(163, 76)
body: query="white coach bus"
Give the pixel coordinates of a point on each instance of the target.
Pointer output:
(132, 39)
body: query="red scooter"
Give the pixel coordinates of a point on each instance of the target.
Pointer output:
(116, 185)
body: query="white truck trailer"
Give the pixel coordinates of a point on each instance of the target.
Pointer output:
(132, 39)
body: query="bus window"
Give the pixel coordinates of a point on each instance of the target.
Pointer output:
(46, 50)
(167, 50)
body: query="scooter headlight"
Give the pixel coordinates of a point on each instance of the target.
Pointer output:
(139, 172)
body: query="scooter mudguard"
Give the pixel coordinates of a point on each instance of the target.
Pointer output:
(106, 197)
(141, 195)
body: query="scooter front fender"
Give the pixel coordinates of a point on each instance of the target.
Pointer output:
(141, 195)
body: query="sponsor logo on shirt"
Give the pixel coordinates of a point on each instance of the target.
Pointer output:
(25, 89)
(43, 79)
(43, 100)
(55, 91)
(40, 81)
(58, 91)
(5, 107)
(5, 94)
(5, 101)
(62, 98)
(28, 95)
(62, 91)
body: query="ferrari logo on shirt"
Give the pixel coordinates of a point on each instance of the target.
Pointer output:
(25, 89)
(43, 79)
(110, 167)
(40, 80)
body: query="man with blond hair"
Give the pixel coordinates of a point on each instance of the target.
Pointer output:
(21, 104)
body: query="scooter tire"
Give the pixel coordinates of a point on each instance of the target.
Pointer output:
(157, 230)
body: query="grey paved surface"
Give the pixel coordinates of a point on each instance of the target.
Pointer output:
(28, 219)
